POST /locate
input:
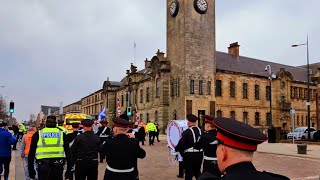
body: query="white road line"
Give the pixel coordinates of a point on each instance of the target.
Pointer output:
(309, 177)
(297, 157)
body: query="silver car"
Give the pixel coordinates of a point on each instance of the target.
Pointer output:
(300, 133)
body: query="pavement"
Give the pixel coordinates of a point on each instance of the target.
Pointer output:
(279, 155)
(313, 151)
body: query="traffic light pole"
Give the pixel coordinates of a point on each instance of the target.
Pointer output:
(11, 121)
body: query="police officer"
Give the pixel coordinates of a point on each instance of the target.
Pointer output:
(208, 143)
(104, 132)
(236, 144)
(122, 153)
(192, 158)
(60, 126)
(85, 153)
(50, 148)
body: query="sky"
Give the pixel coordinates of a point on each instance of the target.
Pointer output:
(53, 51)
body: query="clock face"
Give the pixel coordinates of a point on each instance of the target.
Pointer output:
(174, 8)
(201, 6)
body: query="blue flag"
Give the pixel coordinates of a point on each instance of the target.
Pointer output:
(102, 114)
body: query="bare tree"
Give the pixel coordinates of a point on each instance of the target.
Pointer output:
(3, 108)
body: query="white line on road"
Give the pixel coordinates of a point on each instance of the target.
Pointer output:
(309, 178)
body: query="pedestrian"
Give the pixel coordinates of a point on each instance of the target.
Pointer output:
(95, 127)
(25, 148)
(141, 134)
(15, 129)
(84, 152)
(236, 144)
(151, 130)
(192, 158)
(6, 140)
(122, 153)
(61, 127)
(49, 146)
(104, 132)
(208, 143)
(22, 130)
(158, 131)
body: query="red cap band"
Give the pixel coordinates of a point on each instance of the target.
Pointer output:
(120, 125)
(208, 121)
(236, 144)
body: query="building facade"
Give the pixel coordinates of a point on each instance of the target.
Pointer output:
(93, 103)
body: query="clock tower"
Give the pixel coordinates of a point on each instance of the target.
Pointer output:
(191, 50)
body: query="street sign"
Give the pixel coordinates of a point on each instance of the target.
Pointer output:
(292, 111)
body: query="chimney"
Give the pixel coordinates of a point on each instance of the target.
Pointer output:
(160, 55)
(147, 63)
(233, 49)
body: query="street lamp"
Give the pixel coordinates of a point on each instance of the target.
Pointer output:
(271, 76)
(308, 82)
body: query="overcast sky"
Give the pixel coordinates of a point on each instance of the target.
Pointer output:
(53, 51)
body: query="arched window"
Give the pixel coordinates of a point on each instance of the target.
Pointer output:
(157, 88)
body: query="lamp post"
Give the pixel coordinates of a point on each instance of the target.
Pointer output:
(268, 68)
(308, 82)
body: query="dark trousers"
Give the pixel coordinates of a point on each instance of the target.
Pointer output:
(5, 162)
(102, 156)
(86, 169)
(212, 167)
(192, 164)
(118, 176)
(152, 135)
(181, 173)
(14, 147)
(50, 170)
(157, 135)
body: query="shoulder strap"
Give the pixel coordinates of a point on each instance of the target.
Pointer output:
(104, 130)
(193, 135)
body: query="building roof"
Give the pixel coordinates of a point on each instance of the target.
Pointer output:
(246, 65)
(44, 109)
(115, 83)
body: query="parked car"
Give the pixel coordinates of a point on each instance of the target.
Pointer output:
(301, 133)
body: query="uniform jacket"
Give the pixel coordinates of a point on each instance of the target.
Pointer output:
(205, 143)
(6, 140)
(122, 152)
(151, 127)
(187, 140)
(243, 170)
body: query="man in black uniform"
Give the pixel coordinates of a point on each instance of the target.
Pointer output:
(236, 144)
(208, 143)
(85, 153)
(104, 132)
(192, 158)
(51, 148)
(74, 134)
(122, 153)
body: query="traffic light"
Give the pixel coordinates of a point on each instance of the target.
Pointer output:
(11, 109)
(129, 111)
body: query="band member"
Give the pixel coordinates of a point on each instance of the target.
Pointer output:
(192, 157)
(122, 153)
(104, 132)
(208, 143)
(236, 144)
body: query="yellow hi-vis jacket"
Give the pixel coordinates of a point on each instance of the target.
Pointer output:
(151, 127)
(63, 129)
(50, 144)
(22, 128)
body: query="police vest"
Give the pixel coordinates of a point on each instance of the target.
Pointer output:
(50, 144)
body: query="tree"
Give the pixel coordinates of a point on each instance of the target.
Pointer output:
(3, 108)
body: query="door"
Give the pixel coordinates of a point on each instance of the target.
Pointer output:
(201, 120)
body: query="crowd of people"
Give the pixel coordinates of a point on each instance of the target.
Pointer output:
(225, 149)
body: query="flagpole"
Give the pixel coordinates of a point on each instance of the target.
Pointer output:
(134, 52)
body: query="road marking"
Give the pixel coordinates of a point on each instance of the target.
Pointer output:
(309, 177)
(297, 157)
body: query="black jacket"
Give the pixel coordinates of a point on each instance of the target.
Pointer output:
(85, 147)
(72, 136)
(187, 140)
(122, 152)
(15, 129)
(205, 143)
(243, 170)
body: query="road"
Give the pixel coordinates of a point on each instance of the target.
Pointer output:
(156, 165)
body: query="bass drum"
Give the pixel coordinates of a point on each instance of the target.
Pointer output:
(174, 131)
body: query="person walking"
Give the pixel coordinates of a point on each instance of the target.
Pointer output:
(51, 149)
(158, 131)
(104, 132)
(192, 158)
(25, 148)
(22, 130)
(15, 129)
(236, 145)
(151, 130)
(208, 143)
(122, 153)
(6, 140)
(141, 134)
(84, 152)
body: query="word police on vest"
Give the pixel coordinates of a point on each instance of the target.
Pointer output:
(51, 135)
